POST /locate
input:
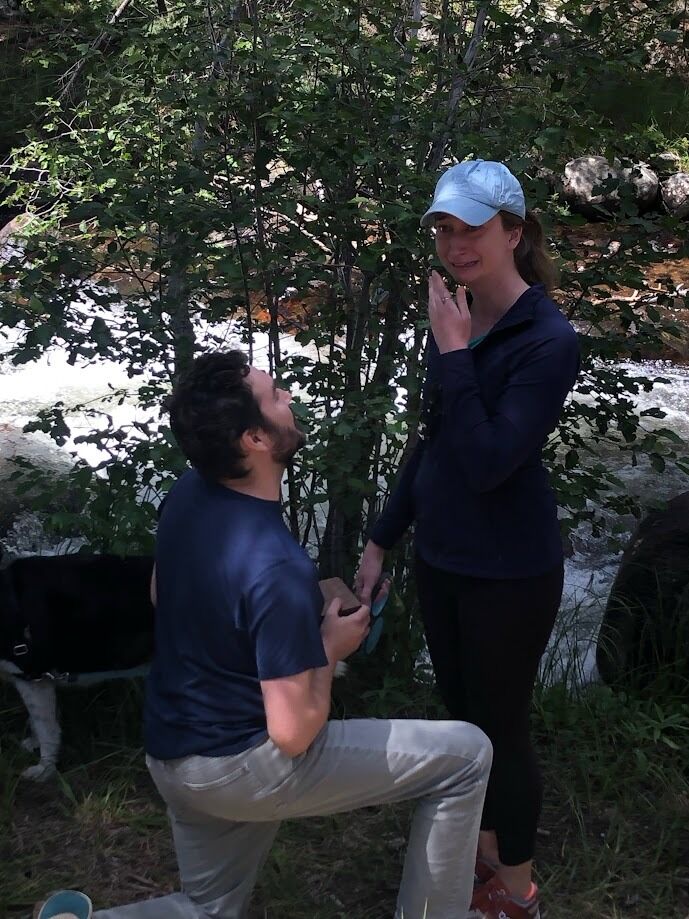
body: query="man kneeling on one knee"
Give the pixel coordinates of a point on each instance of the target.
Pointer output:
(236, 716)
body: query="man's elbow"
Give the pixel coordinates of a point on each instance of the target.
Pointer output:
(294, 738)
(290, 746)
(290, 742)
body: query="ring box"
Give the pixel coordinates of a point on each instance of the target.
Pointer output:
(336, 589)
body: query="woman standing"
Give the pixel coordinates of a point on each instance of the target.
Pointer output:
(489, 561)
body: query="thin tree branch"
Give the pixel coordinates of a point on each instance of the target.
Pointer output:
(458, 87)
(95, 45)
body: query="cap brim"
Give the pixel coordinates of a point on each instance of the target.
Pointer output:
(472, 212)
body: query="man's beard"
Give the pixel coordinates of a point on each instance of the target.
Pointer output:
(287, 442)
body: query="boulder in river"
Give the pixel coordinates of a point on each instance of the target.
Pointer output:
(591, 185)
(645, 185)
(665, 164)
(18, 451)
(645, 630)
(675, 192)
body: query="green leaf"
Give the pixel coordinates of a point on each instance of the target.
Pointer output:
(657, 461)
(670, 36)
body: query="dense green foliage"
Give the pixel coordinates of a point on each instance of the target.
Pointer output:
(188, 165)
(214, 159)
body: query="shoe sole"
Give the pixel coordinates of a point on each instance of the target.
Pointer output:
(478, 914)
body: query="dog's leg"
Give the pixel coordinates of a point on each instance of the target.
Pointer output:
(40, 700)
(30, 743)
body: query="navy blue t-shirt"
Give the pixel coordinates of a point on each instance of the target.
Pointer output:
(238, 601)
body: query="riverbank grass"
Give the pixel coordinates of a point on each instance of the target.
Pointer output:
(613, 844)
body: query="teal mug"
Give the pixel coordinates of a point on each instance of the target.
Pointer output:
(66, 903)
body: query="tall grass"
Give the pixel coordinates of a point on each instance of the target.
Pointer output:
(613, 843)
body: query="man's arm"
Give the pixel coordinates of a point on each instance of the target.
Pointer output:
(297, 707)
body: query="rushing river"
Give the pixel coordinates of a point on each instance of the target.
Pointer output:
(25, 389)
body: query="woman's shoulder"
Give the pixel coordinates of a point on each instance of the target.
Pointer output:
(550, 314)
(551, 336)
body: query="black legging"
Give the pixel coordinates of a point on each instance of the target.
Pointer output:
(486, 638)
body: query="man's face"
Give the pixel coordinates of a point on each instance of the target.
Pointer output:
(280, 423)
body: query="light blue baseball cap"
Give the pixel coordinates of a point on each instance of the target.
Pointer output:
(474, 191)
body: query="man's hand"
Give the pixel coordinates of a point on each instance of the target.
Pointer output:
(369, 572)
(342, 635)
(450, 317)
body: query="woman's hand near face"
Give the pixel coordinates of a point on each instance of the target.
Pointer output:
(450, 317)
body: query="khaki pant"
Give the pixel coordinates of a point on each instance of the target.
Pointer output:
(226, 811)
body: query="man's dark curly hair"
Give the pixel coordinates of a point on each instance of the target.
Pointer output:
(211, 406)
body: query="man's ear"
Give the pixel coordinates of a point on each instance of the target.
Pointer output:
(255, 441)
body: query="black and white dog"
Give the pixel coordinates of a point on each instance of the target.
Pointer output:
(64, 617)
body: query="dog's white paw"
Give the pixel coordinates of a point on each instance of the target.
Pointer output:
(341, 668)
(30, 744)
(41, 772)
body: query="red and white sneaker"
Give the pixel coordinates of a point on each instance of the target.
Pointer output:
(492, 901)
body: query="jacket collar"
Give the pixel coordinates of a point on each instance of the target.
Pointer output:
(522, 310)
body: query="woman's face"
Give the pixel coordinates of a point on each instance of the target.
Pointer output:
(471, 254)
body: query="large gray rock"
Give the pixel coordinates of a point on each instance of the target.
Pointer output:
(645, 629)
(645, 185)
(582, 181)
(590, 183)
(11, 236)
(665, 164)
(17, 449)
(10, 9)
(675, 192)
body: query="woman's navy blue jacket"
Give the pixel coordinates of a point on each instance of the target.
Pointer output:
(475, 486)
